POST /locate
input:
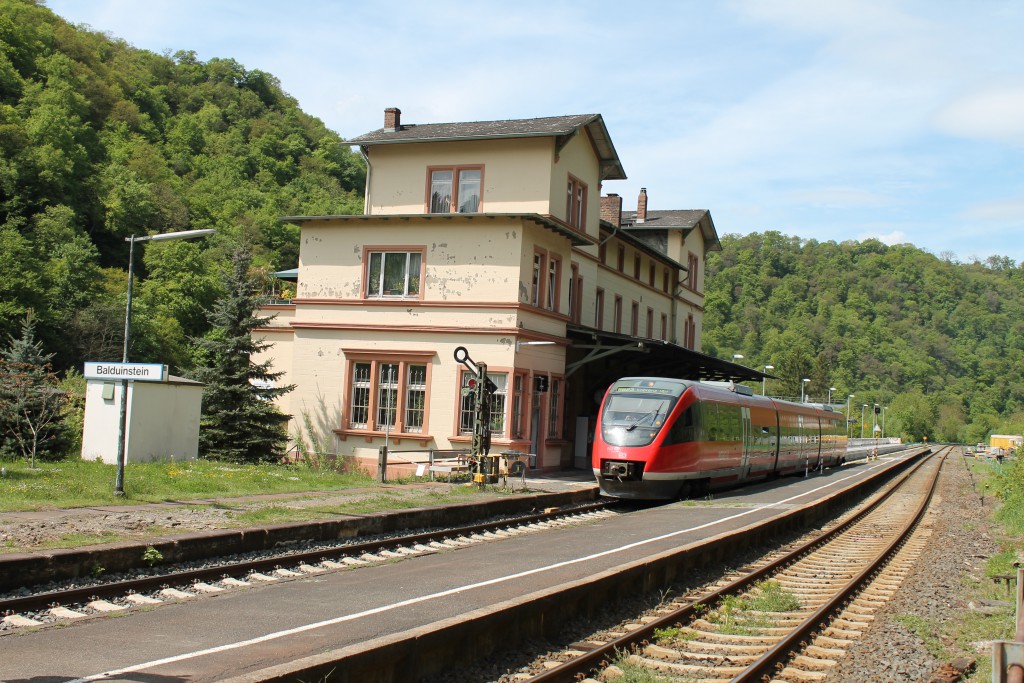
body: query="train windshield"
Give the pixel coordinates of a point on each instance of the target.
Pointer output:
(631, 420)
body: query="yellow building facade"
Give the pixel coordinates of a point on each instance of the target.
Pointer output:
(492, 236)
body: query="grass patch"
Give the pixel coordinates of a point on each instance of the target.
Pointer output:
(76, 540)
(1001, 564)
(770, 596)
(667, 637)
(743, 616)
(926, 630)
(733, 617)
(634, 673)
(78, 483)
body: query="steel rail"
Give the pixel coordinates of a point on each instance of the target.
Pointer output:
(774, 658)
(594, 656)
(146, 583)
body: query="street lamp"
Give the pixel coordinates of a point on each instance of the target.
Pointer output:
(848, 413)
(766, 369)
(830, 390)
(802, 385)
(737, 356)
(180, 235)
(862, 420)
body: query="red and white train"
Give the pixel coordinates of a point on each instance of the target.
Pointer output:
(663, 438)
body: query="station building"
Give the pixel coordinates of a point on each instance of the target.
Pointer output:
(492, 236)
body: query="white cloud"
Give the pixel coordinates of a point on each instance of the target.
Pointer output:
(840, 198)
(999, 212)
(890, 238)
(994, 114)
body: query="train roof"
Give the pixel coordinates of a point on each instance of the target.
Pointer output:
(731, 389)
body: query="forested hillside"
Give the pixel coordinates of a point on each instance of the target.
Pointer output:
(940, 343)
(99, 141)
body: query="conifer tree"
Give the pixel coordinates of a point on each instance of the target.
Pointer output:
(240, 422)
(26, 349)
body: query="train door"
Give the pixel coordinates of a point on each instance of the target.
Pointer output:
(803, 449)
(816, 432)
(777, 445)
(746, 441)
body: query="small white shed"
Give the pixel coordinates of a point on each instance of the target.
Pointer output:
(162, 420)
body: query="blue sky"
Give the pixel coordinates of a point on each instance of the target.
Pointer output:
(901, 120)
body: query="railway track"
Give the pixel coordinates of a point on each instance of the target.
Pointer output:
(165, 584)
(788, 620)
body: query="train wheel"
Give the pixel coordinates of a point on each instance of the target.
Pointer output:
(685, 490)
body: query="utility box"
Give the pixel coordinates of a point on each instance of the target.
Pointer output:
(162, 420)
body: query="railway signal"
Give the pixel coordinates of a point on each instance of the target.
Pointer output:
(481, 389)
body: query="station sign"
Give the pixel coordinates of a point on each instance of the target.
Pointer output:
(132, 372)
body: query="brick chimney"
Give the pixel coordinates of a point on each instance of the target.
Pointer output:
(392, 119)
(611, 209)
(641, 206)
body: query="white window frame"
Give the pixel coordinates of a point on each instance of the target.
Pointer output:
(412, 273)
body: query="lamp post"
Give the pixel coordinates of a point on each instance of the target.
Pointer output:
(862, 420)
(848, 413)
(737, 356)
(830, 390)
(803, 383)
(874, 431)
(766, 369)
(180, 235)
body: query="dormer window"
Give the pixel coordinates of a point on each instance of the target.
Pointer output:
(455, 189)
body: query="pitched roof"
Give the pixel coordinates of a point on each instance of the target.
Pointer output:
(685, 219)
(549, 126)
(681, 218)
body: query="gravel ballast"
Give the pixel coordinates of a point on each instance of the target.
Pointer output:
(934, 596)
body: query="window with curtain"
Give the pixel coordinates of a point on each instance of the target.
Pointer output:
(455, 190)
(394, 274)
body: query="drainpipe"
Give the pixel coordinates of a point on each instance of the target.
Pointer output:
(674, 315)
(366, 190)
(615, 230)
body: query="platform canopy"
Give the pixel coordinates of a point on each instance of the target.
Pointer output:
(652, 357)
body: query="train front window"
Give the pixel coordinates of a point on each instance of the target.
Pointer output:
(634, 420)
